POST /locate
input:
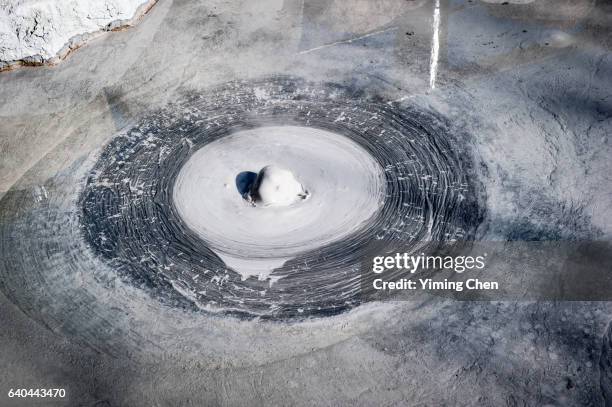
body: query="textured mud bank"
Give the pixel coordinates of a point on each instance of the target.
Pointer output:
(39, 33)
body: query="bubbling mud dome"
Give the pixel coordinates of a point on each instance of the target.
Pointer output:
(276, 186)
(260, 199)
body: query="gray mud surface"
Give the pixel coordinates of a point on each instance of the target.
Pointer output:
(518, 126)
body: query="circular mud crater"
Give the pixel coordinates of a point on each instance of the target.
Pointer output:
(165, 203)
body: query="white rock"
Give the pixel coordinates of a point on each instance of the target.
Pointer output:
(40, 31)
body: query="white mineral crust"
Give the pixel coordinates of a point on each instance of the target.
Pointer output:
(39, 31)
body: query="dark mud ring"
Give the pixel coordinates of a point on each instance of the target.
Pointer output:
(128, 215)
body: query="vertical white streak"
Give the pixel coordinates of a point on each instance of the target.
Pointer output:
(435, 47)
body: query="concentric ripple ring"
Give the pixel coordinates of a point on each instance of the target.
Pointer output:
(412, 185)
